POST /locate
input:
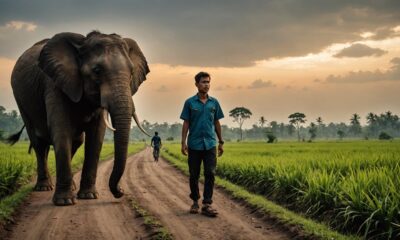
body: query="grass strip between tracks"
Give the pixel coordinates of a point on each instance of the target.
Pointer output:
(159, 232)
(290, 221)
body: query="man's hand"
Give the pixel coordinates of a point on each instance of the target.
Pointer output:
(220, 150)
(184, 149)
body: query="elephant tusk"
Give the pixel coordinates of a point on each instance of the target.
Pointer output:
(105, 118)
(138, 123)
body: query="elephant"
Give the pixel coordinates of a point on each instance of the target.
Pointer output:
(65, 88)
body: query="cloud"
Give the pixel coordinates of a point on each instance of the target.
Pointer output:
(16, 37)
(393, 74)
(212, 33)
(223, 87)
(162, 88)
(360, 50)
(20, 25)
(260, 84)
(384, 33)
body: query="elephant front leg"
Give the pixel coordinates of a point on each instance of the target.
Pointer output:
(75, 146)
(64, 194)
(93, 144)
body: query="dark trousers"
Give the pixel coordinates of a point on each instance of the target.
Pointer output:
(209, 161)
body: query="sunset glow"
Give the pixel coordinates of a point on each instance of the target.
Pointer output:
(331, 63)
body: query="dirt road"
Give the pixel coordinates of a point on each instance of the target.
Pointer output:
(160, 189)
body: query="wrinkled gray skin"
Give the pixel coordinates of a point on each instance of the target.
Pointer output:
(62, 86)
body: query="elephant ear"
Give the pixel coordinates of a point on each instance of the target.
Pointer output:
(59, 59)
(140, 67)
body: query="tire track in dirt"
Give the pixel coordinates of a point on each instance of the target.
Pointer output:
(159, 188)
(164, 192)
(103, 218)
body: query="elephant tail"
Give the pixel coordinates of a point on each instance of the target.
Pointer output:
(15, 137)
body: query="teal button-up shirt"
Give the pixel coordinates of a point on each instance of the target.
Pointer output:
(201, 117)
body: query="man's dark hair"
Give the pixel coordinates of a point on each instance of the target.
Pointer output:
(156, 133)
(201, 75)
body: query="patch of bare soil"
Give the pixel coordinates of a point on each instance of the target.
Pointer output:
(160, 189)
(164, 192)
(103, 218)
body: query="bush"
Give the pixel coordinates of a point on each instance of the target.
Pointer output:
(271, 138)
(385, 136)
(170, 139)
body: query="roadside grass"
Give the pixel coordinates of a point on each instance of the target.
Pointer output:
(18, 170)
(347, 185)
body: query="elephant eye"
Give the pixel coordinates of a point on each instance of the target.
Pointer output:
(96, 69)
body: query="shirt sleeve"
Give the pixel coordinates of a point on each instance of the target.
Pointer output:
(185, 115)
(218, 112)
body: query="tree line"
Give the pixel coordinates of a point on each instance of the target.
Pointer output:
(10, 122)
(379, 126)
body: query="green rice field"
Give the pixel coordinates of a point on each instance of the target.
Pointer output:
(352, 186)
(17, 167)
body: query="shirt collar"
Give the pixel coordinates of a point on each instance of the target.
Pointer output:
(196, 97)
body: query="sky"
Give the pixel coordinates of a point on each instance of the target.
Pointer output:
(327, 59)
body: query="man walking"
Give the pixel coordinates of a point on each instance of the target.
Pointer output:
(201, 114)
(156, 144)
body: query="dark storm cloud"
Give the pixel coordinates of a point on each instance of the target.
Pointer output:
(232, 33)
(360, 50)
(393, 74)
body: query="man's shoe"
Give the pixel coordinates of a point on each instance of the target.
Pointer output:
(208, 211)
(194, 209)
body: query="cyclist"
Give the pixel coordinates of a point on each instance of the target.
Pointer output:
(156, 144)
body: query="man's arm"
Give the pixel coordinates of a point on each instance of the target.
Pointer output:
(185, 129)
(218, 130)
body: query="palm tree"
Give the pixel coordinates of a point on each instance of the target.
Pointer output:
(355, 126)
(319, 121)
(262, 121)
(371, 118)
(321, 124)
(313, 131)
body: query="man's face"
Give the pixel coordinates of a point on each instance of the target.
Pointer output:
(203, 85)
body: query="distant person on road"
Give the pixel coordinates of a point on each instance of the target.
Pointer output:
(201, 114)
(156, 145)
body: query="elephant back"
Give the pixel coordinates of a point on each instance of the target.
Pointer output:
(26, 68)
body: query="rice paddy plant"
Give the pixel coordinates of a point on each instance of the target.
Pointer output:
(354, 186)
(320, 192)
(371, 207)
(16, 167)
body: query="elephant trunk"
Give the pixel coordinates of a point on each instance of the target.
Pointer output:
(120, 111)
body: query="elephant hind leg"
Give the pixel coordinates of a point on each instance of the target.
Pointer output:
(43, 182)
